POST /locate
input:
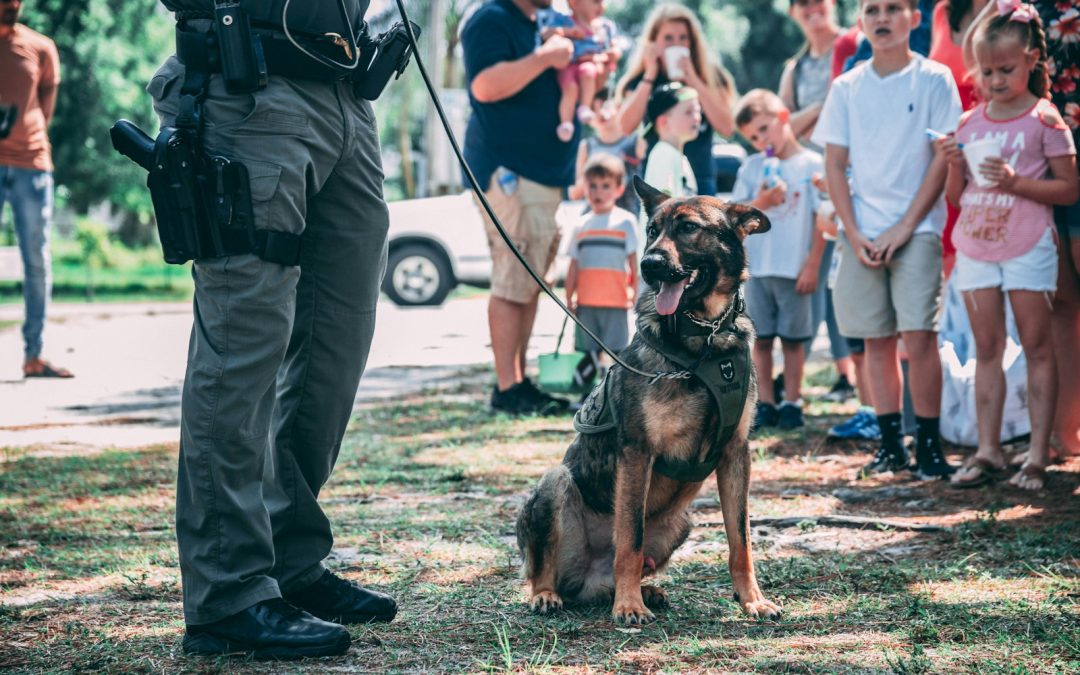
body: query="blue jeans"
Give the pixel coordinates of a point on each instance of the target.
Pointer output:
(823, 309)
(30, 193)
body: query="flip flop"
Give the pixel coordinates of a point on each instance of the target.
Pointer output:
(48, 370)
(988, 472)
(1021, 458)
(1030, 472)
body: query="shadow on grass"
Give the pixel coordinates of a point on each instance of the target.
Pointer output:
(423, 501)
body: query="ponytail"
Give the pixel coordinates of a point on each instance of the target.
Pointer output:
(1039, 80)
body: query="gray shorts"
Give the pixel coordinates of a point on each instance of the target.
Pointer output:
(777, 310)
(609, 324)
(904, 295)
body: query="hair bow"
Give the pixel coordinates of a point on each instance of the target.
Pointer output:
(1021, 11)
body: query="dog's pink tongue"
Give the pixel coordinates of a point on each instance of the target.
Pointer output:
(667, 300)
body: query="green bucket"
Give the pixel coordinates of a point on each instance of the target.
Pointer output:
(557, 369)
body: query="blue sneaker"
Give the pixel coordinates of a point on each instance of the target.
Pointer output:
(862, 426)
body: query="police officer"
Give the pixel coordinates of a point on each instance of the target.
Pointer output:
(278, 344)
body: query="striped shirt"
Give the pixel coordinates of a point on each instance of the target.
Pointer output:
(601, 247)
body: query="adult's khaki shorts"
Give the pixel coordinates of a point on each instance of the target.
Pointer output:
(903, 296)
(528, 215)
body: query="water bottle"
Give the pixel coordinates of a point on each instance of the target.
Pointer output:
(770, 170)
(507, 180)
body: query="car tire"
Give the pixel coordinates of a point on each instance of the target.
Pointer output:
(418, 275)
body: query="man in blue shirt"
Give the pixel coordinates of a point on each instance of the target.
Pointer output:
(522, 167)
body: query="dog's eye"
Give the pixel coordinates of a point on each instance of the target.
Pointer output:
(651, 232)
(687, 227)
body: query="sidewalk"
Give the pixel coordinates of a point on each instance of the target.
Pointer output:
(129, 364)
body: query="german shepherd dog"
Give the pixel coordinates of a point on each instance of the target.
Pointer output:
(603, 519)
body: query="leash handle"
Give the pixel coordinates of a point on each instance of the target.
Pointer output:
(558, 343)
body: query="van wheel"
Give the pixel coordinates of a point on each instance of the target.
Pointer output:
(417, 274)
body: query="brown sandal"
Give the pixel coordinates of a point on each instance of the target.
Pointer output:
(988, 473)
(1029, 473)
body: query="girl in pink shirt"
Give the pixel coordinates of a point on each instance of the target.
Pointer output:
(1005, 237)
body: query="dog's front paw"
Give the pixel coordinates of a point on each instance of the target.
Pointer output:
(631, 612)
(654, 597)
(762, 609)
(545, 602)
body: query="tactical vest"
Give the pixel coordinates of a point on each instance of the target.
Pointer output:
(727, 377)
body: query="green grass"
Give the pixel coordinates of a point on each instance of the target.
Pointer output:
(423, 502)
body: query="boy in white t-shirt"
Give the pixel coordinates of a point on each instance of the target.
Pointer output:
(889, 281)
(784, 262)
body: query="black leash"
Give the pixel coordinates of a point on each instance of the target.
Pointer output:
(669, 375)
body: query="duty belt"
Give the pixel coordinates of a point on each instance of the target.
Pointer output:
(197, 50)
(725, 374)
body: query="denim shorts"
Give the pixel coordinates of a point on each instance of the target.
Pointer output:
(1035, 270)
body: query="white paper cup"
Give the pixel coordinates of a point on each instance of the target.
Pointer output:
(672, 56)
(976, 152)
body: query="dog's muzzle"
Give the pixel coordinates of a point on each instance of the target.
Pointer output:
(673, 280)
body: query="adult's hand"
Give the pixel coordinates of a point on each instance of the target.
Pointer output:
(557, 51)
(654, 51)
(690, 77)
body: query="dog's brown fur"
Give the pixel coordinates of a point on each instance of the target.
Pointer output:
(599, 522)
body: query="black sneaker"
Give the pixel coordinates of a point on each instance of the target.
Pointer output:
(841, 391)
(767, 415)
(886, 461)
(517, 400)
(549, 405)
(790, 416)
(932, 465)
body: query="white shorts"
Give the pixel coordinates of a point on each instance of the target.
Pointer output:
(1035, 270)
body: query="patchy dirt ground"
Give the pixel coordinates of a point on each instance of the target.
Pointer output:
(423, 500)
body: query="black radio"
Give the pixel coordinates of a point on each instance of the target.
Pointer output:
(389, 57)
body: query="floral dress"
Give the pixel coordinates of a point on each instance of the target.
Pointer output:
(1061, 20)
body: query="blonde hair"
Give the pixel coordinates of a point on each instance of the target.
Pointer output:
(757, 102)
(709, 70)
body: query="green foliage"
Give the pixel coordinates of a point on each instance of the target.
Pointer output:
(108, 49)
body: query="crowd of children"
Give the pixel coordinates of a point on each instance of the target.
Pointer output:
(868, 161)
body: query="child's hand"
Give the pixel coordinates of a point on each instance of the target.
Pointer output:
(768, 197)
(808, 279)
(951, 149)
(890, 241)
(997, 170)
(557, 51)
(818, 182)
(865, 249)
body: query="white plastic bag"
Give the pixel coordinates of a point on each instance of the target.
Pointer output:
(957, 350)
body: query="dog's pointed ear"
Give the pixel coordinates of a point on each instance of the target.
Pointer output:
(748, 220)
(650, 196)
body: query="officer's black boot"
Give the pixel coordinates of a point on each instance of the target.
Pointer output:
(335, 599)
(271, 629)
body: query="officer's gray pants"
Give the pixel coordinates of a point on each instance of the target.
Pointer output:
(276, 352)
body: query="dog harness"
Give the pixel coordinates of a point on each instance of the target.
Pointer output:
(725, 374)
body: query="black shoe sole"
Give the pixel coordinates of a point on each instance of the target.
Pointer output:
(205, 644)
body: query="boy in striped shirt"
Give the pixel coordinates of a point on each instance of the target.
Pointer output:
(601, 283)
